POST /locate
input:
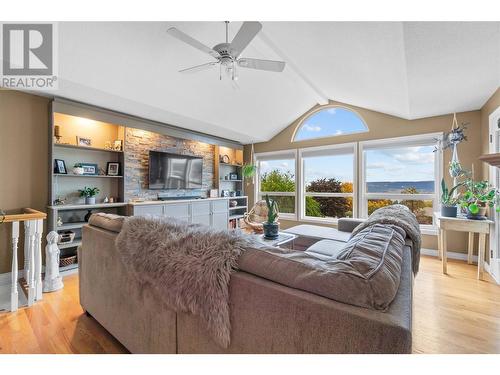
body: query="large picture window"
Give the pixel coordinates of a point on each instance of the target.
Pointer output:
(322, 183)
(401, 170)
(328, 176)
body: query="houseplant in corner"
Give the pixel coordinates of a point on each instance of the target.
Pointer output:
(478, 196)
(271, 226)
(89, 194)
(448, 201)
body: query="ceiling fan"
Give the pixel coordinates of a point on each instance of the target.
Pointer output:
(228, 54)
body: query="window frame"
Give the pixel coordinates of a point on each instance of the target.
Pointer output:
(428, 139)
(319, 109)
(261, 156)
(353, 147)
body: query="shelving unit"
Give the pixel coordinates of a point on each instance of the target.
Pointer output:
(237, 212)
(224, 183)
(84, 175)
(66, 186)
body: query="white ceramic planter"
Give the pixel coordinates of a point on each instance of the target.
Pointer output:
(89, 200)
(77, 170)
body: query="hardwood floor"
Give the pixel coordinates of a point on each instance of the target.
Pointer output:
(453, 313)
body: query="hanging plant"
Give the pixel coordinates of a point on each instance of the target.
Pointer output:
(249, 170)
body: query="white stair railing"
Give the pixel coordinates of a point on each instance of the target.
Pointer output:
(33, 229)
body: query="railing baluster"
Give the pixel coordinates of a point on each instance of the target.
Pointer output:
(13, 291)
(31, 282)
(38, 259)
(26, 253)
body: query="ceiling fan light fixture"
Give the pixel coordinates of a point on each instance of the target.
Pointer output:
(227, 53)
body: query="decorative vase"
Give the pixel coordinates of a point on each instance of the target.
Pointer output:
(448, 211)
(481, 215)
(78, 170)
(271, 230)
(89, 200)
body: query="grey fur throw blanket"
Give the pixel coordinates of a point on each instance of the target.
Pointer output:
(402, 217)
(188, 265)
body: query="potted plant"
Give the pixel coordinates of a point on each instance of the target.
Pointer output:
(78, 169)
(248, 170)
(448, 202)
(89, 194)
(271, 226)
(478, 196)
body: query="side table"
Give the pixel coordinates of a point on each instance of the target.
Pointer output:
(462, 224)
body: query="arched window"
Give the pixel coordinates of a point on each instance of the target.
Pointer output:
(329, 121)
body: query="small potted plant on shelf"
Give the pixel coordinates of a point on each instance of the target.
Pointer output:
(89, 194)
(448, 202)
(78, 169)
(271, 226)
(478, 196)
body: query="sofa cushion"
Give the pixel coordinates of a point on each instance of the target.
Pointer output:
(366, 272)
(110, 222)
(347, 224)
(326, 249)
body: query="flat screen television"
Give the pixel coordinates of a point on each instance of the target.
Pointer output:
(174, 171)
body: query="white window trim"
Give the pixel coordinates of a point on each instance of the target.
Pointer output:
(257, 193)
(408, 141)
(350, 147)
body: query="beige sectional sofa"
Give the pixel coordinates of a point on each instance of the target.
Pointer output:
(266, 316)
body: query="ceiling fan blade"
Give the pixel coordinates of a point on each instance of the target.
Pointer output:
(270, 65)
(192, 42)
(199, 68)
(245, 35)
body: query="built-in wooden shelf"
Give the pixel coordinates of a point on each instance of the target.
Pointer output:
(85, 175)
(232, 217)
(237, 207)
(222, 180)
(231, 164)
(67, 226)
(86, 206)
(491, 159)
(85, 148)
(75, 243)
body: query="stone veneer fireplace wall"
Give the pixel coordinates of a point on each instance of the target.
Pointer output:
(137, 145)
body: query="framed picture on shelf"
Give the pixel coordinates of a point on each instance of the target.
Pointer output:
(90, 169)
(233, 176)
(84, 142)
(118, 145)
(60, 166)
(113, 168)
(224, 159)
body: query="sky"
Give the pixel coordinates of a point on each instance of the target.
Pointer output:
(397, 164)
(400, 164)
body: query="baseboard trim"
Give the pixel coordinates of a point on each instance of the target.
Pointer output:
(450, 254)
(487, 268)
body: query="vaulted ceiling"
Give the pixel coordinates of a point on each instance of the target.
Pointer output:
(407, 69)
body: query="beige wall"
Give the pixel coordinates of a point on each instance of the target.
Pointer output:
(23, 159)
(386, 126)
(488, 108)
